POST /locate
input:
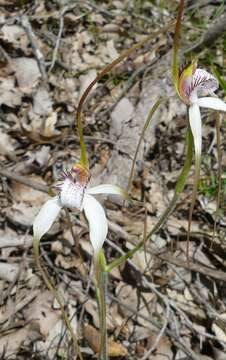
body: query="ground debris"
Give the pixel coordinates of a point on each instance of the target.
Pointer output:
(159, 306)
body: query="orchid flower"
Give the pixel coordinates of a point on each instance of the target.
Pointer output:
(74, 193)
(193, 82)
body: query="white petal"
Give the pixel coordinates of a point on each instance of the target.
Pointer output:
(212, 103)
(46, 217)
(196, 127)
(98, 226)
(108, 189)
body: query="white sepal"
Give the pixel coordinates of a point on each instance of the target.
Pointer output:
(46, 217)
(212, 103)
(196, 127)
(98, 226)
(107, 189)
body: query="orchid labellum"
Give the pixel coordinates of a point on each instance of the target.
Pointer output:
(74, 193)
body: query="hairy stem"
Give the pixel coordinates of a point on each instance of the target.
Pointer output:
(101, 278)
(178, 190)
(103, 316)
(51, 287)
(219, 172)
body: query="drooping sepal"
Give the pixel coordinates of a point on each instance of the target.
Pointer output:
(46, 217)
(98, 226)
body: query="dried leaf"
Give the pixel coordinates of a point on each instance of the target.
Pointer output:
(93, 338)
(9, 94)
(27, 73)
(121, 114)
(8, 271)
(50, 123)
(10, 343)
(42, 102)
(42, 313)
(6, 146)
(85, 80)
(220, 334)
(15, 35)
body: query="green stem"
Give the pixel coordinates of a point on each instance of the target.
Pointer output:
(101, 278)
(51, 287)
(194, 194)
(219, 172)
(178, 190)
(103, 316)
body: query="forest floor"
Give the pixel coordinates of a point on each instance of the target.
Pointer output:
(158, 307)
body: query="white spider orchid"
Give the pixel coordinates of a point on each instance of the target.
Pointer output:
(74, 194)
(193, 82)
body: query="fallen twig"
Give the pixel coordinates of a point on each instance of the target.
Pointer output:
(23, 180)
(35, 46)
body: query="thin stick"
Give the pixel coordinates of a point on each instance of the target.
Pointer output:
(23, 180)
(51, 287)
(35, 46)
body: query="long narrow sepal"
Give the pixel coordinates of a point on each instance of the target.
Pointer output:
(46, 217)
(196, 129)
(109, 190)
(176, 46)
(98, 226)
(212, 103)
(103, 72)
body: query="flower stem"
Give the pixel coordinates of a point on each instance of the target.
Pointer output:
(178, 190)
(101, 278)
(51, 287)
(219, 172)
(103, 316)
